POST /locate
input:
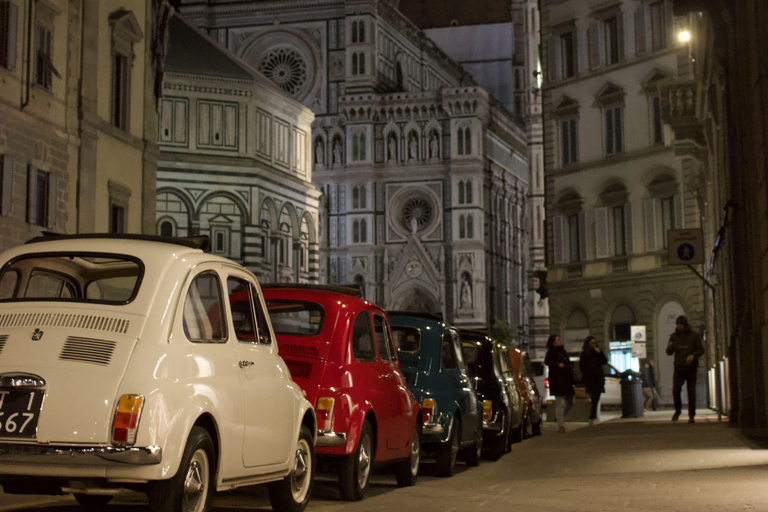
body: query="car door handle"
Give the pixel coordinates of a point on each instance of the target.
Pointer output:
(246, 364)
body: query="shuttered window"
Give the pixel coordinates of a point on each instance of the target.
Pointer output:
(614, 130)
(567, 55)
(658, 26)
(8, 34)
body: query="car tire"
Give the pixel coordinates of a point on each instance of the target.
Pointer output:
(407, 470)
(448, 452)
(474, 453)
(517, 433)
(355, 469)
(292, 493)
(94, 501)
(499, 445)
(191, 488)
(536, 428)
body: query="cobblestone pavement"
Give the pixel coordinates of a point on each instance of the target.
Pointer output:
(648, 464)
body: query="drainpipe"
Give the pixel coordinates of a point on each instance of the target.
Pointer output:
(80, 118)
(28, 87)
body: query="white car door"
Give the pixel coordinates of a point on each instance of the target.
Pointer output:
(270, 406)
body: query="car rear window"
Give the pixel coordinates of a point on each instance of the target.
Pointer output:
(71, 277)
(295, 317)
(407, 339)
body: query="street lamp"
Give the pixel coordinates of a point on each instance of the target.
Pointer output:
(684, 36)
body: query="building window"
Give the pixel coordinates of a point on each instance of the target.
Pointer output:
(358, 147)
(614, 130)
(461, 141)
(469, 192)
(619, 231)
(361, 31)
(461, 193)
(362, 63)
(658, 127)
(462, 226)
(119, 197)
(567, 55)
(354, 63)
(574, 237)
(359, 231)
(667, 218)
(44, 57)
(8, 34)
(354, 31)
(569, 139)
(6, 184)
(358, 197)
(116, 218)
(467, 141)
(611, 32)
(658, 26)
(166, 228)
(470, 227)
(39, 198)
(220, 240)
(120, 89)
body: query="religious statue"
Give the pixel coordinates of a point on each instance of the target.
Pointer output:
(392, 148)
(319, 153)
(413, 148)
(434, 146)
(337, 152)
(465, 299)
(414, 225)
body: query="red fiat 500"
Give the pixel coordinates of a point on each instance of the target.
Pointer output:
(339, 349)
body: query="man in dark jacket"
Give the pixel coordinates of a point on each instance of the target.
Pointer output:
(687, 348)
(560, 379)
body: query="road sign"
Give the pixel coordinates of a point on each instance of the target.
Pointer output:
(637, 332)
(686, 246)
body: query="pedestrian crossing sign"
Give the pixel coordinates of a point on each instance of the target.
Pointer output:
(686, 246)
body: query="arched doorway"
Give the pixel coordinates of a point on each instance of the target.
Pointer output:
(576, 329)
(665, 325)
(419, 301)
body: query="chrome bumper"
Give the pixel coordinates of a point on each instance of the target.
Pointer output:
(331, 439)
(80, 455)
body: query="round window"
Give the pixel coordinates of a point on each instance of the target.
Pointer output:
(286, 68)
(417, 213)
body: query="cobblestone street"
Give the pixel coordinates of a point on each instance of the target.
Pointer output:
(628, 465)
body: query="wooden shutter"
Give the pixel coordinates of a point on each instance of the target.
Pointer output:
(679, 211)
(589, 233)
(11, 47)
(641, 43)
(31, 194)
(601, 232)
(558, 229)
(628, 241)
(593, 42)
(53, 201)
(582, 236)
(620, 34)
(552, 58)
(7, 166)
(651, 227)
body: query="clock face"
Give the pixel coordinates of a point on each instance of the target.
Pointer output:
(414, 269)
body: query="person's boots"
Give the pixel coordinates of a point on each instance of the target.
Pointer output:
(676, 416)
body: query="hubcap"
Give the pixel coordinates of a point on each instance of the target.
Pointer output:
(301, 475)
(195, 483)
(364, 462)
(415, 453)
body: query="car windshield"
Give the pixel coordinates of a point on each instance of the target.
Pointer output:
(296, 318)
(71, 277)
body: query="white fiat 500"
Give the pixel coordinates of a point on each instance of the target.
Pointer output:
(144, 363)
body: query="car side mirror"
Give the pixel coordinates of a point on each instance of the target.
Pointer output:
(265, 339)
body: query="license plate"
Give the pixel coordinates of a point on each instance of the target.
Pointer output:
(19, 412)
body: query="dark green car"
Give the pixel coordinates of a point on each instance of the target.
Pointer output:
(435, 372)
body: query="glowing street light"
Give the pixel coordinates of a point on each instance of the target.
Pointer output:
(684, 36)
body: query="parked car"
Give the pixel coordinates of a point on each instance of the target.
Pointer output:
(517, 362)
(611, 397)
(339, 349)
(501, 400)
(431, 359)
(124, 365)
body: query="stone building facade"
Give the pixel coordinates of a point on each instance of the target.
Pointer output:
(78, 116)
(424, 174)
(235, 161)
(616, 182)
(721, 120)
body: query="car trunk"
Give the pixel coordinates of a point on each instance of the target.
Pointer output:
(305, 358)
(82, 359)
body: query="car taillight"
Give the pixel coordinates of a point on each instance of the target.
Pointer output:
(487, 410)
(126, 420)
(428, 406)
(546, 383)
(324, 412)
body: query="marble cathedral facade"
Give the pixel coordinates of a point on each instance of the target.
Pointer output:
(424, 175)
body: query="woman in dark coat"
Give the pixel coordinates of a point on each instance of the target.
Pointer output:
(591, 365)
(560, 379)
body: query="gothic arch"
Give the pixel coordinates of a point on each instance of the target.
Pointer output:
(239, 203)
(417, 298)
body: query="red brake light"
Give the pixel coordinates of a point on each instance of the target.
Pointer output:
(546, 383)
(126, 420)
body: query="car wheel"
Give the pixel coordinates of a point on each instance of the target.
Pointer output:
(517, 433)
(407, 471)
(499, 445)
(356, 468)
(191, 488)
(536, 428)
(473, 454)
(448, 452)
(291, 494)
(92, 500)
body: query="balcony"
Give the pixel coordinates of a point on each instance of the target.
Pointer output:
(619, 266)
(681, 101)
(574, 272)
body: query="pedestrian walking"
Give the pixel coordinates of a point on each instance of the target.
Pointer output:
(686, 346)
(560, 379)
(648, 378)
(591, 364)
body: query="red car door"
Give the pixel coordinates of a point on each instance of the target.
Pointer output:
(400, 417)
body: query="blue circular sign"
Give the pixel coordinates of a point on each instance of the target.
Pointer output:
(685, 252)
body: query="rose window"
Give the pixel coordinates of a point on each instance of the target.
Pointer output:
(286, 68)
(417, 209)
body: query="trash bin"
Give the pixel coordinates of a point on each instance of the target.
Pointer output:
(631, 395)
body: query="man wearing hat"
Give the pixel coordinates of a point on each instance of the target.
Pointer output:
(687, 348)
